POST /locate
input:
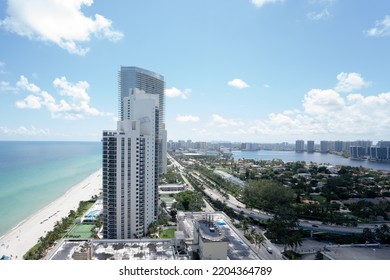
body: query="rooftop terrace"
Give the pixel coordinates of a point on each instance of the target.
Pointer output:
(161, 249)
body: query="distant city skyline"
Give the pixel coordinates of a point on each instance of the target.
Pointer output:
(280, 71)
(293, 143)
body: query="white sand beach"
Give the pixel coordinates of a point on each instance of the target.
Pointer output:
(20, 239)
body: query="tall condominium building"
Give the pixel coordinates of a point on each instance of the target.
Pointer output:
(324, 146)
(130, 168)
(152, 83)
(338, 146)
(310, 146)
(299, 146)
(357, 152)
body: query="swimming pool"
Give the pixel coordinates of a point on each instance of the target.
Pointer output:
(92, 215)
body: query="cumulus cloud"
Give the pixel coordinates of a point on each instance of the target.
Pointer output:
(261, 3)
(24, 84)
(175, 92)
(319, 102)
(381, 29)
(238, 83)
(218, 120)
(74, 105)
(187, 118)
(323, 112)
(327, 112)
(24, 131)
(59, 22)
(348, 82)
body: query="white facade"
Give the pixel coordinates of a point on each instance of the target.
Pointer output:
(209, 242)
(130, 169)
(151, 83)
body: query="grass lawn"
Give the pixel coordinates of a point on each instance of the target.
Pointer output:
(319, 198)
(81, 231)
(224, 169)
(168, 233)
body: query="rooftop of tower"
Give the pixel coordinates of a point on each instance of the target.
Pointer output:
(143, 71)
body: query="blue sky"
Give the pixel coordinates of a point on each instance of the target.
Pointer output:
(237, 70)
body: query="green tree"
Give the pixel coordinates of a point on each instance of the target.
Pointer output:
(383, 234)
(266, 194)
(153, 228)
(319, 256)
(284, 227)
(189, 201)
(259, 239)
(245, 225)
(368, 235)
(173, 214)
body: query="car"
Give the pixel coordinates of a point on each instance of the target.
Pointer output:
(314, 225)
(269, 250)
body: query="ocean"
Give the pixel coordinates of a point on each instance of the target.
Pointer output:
(33, 174)
(319, 158)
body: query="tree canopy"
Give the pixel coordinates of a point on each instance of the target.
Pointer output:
(266, 194)
(189, 201)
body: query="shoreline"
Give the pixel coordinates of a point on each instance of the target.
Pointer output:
(17, 241)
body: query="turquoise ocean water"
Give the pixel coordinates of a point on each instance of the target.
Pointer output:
(33, 174)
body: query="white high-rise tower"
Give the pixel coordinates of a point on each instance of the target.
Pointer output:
(152, 83)
(130, 168)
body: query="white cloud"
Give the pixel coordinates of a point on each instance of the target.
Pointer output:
(238, 83)
(260, 3)
(76, 106)
(60, 22)
(319, 102)
(324, 14)
(349, 82)
(324, 113)
(187, 118)
(30, 102)
(217, 120)
(5, 86)
(24, 131)
(322, 7)
(25, 85)
(381, 29)
(175, 92)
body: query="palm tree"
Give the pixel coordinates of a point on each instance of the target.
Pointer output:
(259, 239)
(284, 226)
(245, 225)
